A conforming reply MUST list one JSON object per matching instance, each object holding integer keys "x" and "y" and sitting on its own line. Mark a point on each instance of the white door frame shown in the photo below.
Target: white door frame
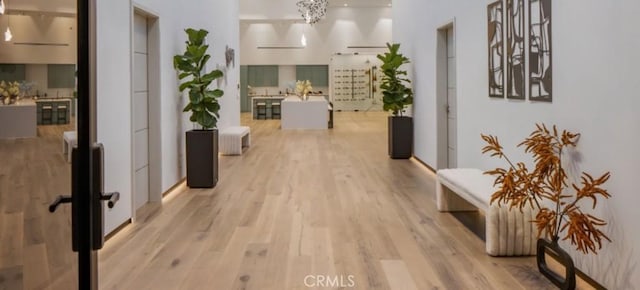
{"x": 441, "y": 93}
{"x": 153, "y": 75}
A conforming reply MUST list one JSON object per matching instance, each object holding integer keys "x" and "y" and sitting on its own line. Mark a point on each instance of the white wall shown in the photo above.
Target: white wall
{"x": 595, "y": 85}
{"x": 59, "y": 6}
{"x": 41, "y": 29}
{"x": 114, "y": 85}
{"x": 286, "y": 76}
{"x": 342, "y": 27}
{"x": 273, "y": 9}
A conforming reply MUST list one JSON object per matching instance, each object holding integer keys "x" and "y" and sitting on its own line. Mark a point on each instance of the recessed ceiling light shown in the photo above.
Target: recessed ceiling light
{"x": 389, "y": 4}
{"x": 345, "y": 4}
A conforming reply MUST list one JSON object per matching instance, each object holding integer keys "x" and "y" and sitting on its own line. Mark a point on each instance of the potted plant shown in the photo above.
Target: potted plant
{"x": 9, "y": 91}
{"x": 396, "y": 97}
{"x": 202, "y": 143}
{"x": 559, "y": 201}
{"x": 303, "y": 88}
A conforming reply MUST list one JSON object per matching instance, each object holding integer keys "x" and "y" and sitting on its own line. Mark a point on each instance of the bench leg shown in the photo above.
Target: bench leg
{"x": 230, "y": 145}
{"x": 69, "y": 151}
{"x": 510, "y": 232}
{"x": 447, "y": 200}
{"x": 246, "y": 140}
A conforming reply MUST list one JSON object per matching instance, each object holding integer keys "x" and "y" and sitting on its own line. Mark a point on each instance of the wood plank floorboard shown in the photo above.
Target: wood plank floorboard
{"x": 295, "y": 206}
{"x": 35, "y": 245}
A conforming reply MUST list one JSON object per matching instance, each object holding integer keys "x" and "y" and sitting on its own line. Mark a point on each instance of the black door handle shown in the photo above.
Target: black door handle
{"x": 111, "y": 198}
{"x": 96, "y": 197}
{"x": 58, "y": 201}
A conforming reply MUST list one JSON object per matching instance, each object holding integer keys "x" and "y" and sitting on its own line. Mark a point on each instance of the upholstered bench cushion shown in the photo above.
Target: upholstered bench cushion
{"x": 470, "y": 184}
{"x": 509, "y": 232}
{"x": 233, "y": 139}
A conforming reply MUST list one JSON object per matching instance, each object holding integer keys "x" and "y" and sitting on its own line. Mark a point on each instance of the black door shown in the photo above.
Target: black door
{"x": 87, "y": 196}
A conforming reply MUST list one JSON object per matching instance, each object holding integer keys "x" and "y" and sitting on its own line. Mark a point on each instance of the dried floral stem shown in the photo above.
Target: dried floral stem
{"x": 518, "y": 186}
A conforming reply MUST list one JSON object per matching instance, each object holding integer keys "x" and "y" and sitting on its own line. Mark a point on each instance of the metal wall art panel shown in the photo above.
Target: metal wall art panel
{"x": 540, "y": 81}
{"x": 515, "y": 49}
{"x": 496, "y": 53}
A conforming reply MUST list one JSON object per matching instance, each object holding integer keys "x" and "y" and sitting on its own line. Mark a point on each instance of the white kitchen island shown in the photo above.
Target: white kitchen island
{"x": 310, "y": 114}
{"x": 18, "y": 120}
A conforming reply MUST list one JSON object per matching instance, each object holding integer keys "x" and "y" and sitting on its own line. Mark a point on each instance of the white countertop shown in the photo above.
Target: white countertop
{"x": 20, "y": 103}
{"x": 275, "y": 97}
{"x": 311, "y": 99}
{"x": 53, "y": 100}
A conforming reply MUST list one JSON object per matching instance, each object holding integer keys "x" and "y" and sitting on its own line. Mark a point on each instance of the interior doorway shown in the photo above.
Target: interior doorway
{"x": 145, "y": 107}
{"x": 446, "y": 89}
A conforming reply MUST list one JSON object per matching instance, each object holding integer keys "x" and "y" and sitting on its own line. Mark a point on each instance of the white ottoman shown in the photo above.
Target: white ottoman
{"x": 231, "y": 140}
{"x": 69, "y": 139}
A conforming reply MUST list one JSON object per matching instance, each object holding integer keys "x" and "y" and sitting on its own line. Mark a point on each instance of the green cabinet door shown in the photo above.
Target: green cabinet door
{"x": 318, "y": 75}
{"x": 263, "y": 75}
{"x": 245, "y": 106}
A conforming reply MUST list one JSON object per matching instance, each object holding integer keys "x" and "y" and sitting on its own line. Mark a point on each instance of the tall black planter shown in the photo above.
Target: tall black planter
{"x": 400, "y": 137}
{"x": 202, "y": 158}
{"x": 569, "y": 280}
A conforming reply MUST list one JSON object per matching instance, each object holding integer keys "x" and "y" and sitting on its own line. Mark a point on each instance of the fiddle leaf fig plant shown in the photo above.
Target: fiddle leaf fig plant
{"x": 396, "y": 95}
{"x": 203, "y": 101}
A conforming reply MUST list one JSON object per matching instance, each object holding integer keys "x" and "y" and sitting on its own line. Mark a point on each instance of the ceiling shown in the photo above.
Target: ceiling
{"x": 59, "y": 6}
{"x": 359, "y": 3}
{"x": 287, "y": 9}
{"x": 69, "y": 6}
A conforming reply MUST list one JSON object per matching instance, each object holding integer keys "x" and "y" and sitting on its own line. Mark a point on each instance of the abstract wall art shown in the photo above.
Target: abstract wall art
{"x": 230, "y": 56}
{"x": 540, "y": 81}
{"x": 496, "y": 50}
{"x": 515, "y": 57}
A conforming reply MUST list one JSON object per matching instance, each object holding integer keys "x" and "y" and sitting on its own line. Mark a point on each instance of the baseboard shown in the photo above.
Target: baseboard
{"x": 424, "y": 164}
{"x": 172, "y": 188}
{"x": 583, "y": 281}
{"x": 117, "y": 230}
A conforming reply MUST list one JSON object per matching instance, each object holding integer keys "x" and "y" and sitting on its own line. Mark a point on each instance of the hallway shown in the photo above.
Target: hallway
{"x": 298, "y": 203}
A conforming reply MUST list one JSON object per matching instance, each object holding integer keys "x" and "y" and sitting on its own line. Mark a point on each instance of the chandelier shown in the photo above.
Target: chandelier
{"x": 312, "y": 10}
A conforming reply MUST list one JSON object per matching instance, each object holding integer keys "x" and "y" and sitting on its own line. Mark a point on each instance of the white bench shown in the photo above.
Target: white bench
{"x": 233, "y": 139}
{"x": 508, "y": 232}
{"x": 69, "y": 139}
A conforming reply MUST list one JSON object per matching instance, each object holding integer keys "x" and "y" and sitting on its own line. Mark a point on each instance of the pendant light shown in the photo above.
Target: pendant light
{"x": 7, "y": 34}
{"x": 303, "y": 39}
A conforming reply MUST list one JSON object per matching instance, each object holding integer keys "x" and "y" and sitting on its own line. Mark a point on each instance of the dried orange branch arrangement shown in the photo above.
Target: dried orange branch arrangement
{"x": 520, "y": 187}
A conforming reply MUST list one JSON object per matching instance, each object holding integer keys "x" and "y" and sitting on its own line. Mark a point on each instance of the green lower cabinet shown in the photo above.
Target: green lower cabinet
{"x": 53, "y": 112}
{"x": 273, "y": 108}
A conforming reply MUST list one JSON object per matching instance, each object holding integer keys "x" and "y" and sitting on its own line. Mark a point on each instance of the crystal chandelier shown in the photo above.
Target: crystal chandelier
{"x": 312, "y": 10}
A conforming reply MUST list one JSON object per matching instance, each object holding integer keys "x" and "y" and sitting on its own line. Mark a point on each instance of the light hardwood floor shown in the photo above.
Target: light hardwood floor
{"x": 297, "y": 203}
{"x": 35, "y": 245}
